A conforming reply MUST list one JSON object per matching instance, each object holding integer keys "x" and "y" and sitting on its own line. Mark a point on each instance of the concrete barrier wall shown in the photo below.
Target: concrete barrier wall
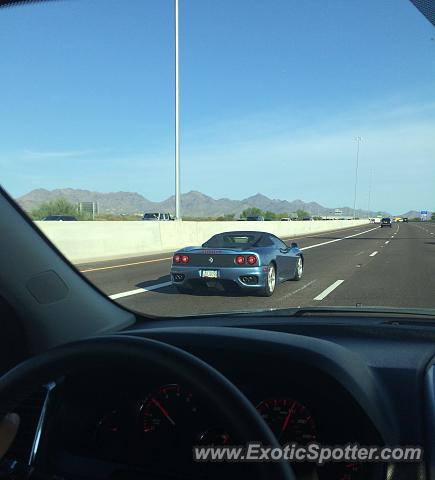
{"x": 92, "y": 241}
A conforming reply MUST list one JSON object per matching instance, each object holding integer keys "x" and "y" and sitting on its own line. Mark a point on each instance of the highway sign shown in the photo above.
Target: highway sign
{"x": 423, "y": 212}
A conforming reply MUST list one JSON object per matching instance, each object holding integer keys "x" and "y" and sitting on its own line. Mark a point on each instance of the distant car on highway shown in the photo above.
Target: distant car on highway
{"x": 60, "y": 218}
{"x": 386, "y": 222}
{"x": 252, "y": 261}
{"x": 308, "y": 219}
{"x": 157, "y": 217}
{"x": 255, "y": 218}
{"x": 286, "y": 219}
{"x": 405, "y": 219}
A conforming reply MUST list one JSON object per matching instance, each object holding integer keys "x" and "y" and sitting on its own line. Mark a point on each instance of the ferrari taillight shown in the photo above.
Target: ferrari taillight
{"x": 185, "y": 258}
{"x": 251, "y": 259}
{"x": 240, "y": 259}
{"x": 177, "y": 258}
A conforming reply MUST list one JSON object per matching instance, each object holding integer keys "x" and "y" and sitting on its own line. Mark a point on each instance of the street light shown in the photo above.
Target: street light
{"x": 177, "y": 121}
{"x": 358, "y": 140}
{"x": 370, "y": 192}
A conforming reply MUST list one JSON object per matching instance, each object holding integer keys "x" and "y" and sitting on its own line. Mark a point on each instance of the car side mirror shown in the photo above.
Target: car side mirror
{"x": 294, "y": 245}
{"x": 284, "y": 250}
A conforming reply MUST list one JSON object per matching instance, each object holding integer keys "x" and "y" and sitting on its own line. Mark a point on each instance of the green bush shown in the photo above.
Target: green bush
{"x": 60, "y": 206}
{"x": 251, "y": 212}
{"x": 302, "y": 214}
{"x": 228, "y": 217}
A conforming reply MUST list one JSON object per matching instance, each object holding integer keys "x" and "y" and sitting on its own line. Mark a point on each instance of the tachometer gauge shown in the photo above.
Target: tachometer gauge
{"x": 289, "y": 420}
{"x": 168, "y": 419}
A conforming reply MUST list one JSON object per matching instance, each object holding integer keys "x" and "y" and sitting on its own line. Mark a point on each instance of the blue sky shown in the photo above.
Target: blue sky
{"x": 272, "y": 95}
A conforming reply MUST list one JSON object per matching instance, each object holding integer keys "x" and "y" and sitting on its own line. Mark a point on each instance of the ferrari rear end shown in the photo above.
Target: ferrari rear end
{"x": 223, "y": 268}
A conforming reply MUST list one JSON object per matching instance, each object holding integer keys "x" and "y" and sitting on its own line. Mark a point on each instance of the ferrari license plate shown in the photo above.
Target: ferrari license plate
{"x": 209, "y": 273}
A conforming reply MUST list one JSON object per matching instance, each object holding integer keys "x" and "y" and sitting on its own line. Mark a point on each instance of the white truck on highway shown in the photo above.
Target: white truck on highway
{"x": 157, "y": 217}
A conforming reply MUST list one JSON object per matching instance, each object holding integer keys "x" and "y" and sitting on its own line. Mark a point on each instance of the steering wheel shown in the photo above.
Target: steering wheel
{"x": 126, "y": 352}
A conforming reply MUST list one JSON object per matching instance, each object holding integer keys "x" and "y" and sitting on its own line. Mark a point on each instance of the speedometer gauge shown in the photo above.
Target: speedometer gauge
{"x": 292, "y": 422}
{"x": 289, "y": 420}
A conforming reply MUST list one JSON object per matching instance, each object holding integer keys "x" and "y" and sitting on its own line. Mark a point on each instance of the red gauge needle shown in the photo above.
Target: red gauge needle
{"x": 163, "y": 410}
{"x": 287, "y": 418}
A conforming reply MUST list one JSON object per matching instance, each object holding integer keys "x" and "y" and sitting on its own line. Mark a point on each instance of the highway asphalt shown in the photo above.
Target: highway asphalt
{"x": 366, "y": 265}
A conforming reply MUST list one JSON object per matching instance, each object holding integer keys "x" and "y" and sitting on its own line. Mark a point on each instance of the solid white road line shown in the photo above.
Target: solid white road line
{"x": 139, "y": 290}
{"x": 327, "y": 291}
{"x": 338, "y": 239}
{"x": 373, "y": 254}
{"x": 162, "y": 285}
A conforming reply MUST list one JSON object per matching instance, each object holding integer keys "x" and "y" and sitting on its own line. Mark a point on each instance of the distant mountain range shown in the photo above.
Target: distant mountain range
{"x": 193, "y": 204}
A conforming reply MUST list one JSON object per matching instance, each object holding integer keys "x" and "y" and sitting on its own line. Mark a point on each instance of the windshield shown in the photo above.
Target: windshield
{"x": 300, "y": 134}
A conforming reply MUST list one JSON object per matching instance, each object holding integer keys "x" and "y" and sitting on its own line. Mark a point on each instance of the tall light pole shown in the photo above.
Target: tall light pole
{"x": 370, "y": 192}
{"x": 177, "y": 121}
{"x": 358, "y": 140}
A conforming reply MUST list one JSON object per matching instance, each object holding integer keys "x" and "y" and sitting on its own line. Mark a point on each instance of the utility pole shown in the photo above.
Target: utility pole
{"x": 177, "y": 121}
{"x": 358, "y": 140}
{"x": 370, "y": 192}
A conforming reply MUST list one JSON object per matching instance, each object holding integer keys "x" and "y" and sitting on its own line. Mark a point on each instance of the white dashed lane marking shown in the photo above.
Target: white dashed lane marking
{"x": 328, "y": 290}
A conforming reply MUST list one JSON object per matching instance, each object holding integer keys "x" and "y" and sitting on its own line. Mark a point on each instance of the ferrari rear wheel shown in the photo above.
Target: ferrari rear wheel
{"x": 299, "y": 269}
{"x": 270, "y": 284}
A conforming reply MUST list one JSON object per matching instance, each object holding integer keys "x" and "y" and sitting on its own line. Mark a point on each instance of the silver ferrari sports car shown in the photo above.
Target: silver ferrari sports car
{"x": 252, "y": 261}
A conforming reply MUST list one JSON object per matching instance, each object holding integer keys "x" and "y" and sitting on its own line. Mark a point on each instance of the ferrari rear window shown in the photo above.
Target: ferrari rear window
{"x": 244, "y": 240}
{"x": 229, "y": 240}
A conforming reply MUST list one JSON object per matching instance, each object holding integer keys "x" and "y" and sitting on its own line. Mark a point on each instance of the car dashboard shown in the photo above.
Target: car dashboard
{"x": 335, "y": 383}
{"x": 115, "y": 426}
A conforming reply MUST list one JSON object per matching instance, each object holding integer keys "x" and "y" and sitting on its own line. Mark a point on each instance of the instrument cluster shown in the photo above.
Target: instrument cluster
{"x": 157, "y": 430}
